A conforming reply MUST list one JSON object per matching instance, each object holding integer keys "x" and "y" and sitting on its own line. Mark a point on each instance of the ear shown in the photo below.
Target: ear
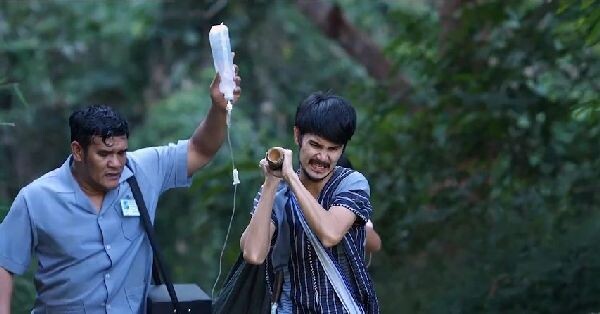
{"x": 77, "y": 151}
{"x": 297, "y": 136}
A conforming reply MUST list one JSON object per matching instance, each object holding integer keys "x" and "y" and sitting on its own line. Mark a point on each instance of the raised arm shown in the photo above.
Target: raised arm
{"x": 6, "y": 284}
{"x": 256, "y": 239}
{"x": 209, "y": 135}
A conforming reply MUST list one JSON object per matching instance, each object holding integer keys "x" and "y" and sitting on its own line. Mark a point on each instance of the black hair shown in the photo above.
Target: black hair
{"x": 328, "y": 116}
{"x": 96, "y": 120}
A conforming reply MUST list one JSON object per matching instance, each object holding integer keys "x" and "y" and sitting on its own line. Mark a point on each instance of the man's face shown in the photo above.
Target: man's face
{"x": 103, "y": 161}
{"x": 318, "y": 156}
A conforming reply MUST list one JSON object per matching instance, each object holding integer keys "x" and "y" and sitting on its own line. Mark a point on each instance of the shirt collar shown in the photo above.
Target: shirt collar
{"x": 126, "y": 174}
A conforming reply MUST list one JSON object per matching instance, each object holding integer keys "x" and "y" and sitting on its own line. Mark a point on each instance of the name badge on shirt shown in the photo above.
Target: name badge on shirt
{"x": 129, "y": 208}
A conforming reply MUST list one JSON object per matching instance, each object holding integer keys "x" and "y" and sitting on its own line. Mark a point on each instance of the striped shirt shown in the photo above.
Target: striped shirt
{"x": 306, "y": 288}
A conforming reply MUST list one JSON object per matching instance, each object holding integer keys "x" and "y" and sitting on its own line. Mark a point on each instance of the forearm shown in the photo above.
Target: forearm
{"x": 328, "y": 225}
{"x": 256, "y": 239}
{"x": 207, "y": 138}
{"x": 5, "y": 291}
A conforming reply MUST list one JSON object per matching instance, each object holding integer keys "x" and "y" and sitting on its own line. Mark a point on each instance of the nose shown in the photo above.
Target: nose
{"x": 114, "y": 161}
{"x": 322, "y": 155}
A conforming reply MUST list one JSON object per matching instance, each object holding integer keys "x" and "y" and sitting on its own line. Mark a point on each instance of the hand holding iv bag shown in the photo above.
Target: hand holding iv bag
{"x": 223, "y": 59}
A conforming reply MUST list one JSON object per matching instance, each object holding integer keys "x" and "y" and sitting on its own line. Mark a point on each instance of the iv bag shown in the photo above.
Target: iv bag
{"x": 222, "y": 58}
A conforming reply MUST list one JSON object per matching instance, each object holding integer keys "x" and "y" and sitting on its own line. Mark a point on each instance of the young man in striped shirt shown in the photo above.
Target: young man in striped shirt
{"x": 333, "y": 204}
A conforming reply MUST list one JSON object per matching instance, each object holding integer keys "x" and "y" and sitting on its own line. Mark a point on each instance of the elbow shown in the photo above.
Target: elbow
{"x": 250, "y": 254}
{"x": 254, "y": 258}
{"x": 330, "y": 241}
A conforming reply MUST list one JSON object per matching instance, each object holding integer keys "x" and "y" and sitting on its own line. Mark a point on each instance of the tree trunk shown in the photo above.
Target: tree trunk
{"x": 332, "y": 22}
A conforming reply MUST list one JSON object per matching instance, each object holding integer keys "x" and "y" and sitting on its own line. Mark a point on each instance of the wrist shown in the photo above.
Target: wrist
{"x": 289, "y": 175}
{"x": 219, "y": 107}
{"x": 271, "y": 183}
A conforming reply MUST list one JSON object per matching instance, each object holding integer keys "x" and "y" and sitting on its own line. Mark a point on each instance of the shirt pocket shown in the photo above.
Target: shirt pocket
{"x": 132, "y": 228}
{"x": 135, "y": 298}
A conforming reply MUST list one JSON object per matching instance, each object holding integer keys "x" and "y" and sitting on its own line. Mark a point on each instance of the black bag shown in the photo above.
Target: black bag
{"x": 167, "y": 298}
{"x": 245, "y": 290}
{"x": 191, "y": 299}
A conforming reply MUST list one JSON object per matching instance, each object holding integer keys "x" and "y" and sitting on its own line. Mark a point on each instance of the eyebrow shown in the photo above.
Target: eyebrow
{"x": 110, "y": 151}
{"x": 313, "y": 142}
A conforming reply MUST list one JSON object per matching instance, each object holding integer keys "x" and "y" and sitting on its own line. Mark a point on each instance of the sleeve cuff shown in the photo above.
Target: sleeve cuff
{"x": 181, "y": 160}
{"x": 12, "y": 267}
{"x": 356, "y": 212}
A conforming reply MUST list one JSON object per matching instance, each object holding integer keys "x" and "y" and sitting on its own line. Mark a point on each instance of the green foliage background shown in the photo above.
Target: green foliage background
{"x": 485, "y": 179}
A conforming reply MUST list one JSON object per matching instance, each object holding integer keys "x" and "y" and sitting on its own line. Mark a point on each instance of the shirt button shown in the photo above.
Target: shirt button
{"x": 100, "y": 218}
{"x": 107, "y": 276}
{"x": 108, "y": 307}
{"x": 108, "y": 247}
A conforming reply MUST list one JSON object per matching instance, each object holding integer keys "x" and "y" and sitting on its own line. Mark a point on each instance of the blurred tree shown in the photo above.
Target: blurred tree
{"x": 494, "y": 192}
{"x": 484, "y": 170}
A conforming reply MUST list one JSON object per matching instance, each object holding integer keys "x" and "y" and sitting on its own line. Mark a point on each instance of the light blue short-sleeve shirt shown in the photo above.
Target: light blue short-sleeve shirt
{"x": 89, "y": 262}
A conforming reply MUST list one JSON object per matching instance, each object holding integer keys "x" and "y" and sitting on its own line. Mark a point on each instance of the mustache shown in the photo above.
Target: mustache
{"x": 319, "y": 163}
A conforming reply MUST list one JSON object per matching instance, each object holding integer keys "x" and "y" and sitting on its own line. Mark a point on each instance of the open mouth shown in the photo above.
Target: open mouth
{"x": 319, "y": 166}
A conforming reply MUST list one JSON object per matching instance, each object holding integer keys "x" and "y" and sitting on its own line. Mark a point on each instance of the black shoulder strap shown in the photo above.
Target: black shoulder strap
{"x": 158, "y": 257}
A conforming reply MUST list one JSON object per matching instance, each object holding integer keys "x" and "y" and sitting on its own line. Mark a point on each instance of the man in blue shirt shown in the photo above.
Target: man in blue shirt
{"x": 80, "y": 219}
{"x": 322, "y": 200}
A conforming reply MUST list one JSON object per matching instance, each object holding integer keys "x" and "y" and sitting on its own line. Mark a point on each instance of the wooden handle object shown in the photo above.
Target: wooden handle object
{"x": 275, "y": 158}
